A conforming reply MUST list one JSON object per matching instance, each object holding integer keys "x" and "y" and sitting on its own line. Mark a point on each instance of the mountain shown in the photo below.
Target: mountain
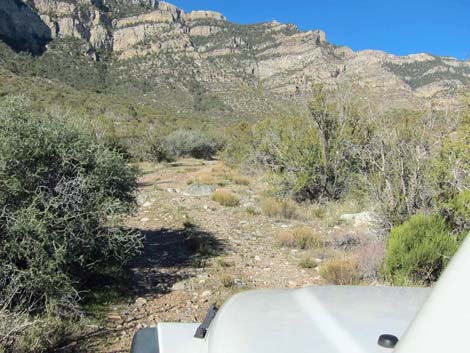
{"x": 201, "y": 63}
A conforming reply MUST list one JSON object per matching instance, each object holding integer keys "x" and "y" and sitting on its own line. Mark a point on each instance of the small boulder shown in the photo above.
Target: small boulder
{"x": 362, "y": 218}
{"x": 206, "y": 294}
{"x": 199, "y": 190}
{"x": 114, "y": 317}
{"x": 178, "y": 286}
{"x": 141, "y": 301}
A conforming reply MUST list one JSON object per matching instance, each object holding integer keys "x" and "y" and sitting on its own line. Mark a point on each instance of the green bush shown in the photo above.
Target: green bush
{"x": 419, "y": 249}
{"x": 240, "y": 149}
{"x": 457, "y": 212}
{"x": 61, "y": 197}
{"x": 187, "y": 143}
{"x": 310, "y": 157}
{"x": 158, "y": 152}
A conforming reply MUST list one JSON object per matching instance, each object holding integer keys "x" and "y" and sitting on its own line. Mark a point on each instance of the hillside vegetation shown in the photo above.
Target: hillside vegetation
{"x": 153, "y": 161}
{"x": 412, "y": 168}
{"x": 67, "y": 183}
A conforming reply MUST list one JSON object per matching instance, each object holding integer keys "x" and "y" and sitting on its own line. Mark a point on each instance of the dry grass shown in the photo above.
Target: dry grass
{"x": 228, "y": 281}
{"x": 238, "y": 179}
{"x": 225, "y": 198}
{"x": 307, "y": 262}
{"x": 300, "y": 237}
{"x": 209, "y": 179}
{"x": 221, "y": 171}
{"x": 251, "y": 211}
{"x": 341, "y": 271}
{"x": 224, "y": 263}
{"x": 147, "y": 167}
{"x": 329, "y": 212}
{"x": 221, "y": 175}
{"x": 275, "y": 208}
{"x": 371, "y": 257}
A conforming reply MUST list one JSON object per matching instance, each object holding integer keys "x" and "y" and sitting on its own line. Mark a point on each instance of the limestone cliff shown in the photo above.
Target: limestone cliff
{"x": 202, "y": 53}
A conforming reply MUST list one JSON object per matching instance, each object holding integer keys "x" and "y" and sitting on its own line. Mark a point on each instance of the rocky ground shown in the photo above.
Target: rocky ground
{"x": 198, "y": 252}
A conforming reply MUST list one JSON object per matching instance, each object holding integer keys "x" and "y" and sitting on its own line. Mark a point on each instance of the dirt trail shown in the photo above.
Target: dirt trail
{"x": 198, "y": 252}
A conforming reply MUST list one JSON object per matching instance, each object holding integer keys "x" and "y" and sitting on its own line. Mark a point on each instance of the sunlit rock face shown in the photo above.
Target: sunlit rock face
{"x": 156, "y": 42}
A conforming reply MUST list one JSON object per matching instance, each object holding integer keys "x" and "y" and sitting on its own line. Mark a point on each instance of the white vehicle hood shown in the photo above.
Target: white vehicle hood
{"x": 312, "y": 319}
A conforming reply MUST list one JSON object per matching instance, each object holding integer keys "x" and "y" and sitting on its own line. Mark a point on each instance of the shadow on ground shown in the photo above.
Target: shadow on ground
{"x": 170, "y": 256}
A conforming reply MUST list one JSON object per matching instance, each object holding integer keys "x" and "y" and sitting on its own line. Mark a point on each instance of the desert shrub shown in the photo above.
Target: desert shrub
{"x": 341, "y": 132}
{"x": 307, "y": 262}
{"x": 187, "y": 143}
{"x": 225, "y": 198}
{"x": 240, "y": 148}
{"x": 20, "y": 332}
{"x": 300, "y": 237}
{"x": 279, "y": 208}
{"x": 451, "y": 170}
{"x": 341, "y": 271}
{"x": 158, "y": 151}
{"x": 457, "y": 212}
{"x": 313, "y": 157}
{"x": 251, "y": 211}
{"x": 228, "y": 281}
{"x": 61, "y": 194}
{"x": 419, "y": 249}
{"x": 399, "y": 156}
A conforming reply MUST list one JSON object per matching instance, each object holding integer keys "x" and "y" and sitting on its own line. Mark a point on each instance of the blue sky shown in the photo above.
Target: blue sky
{"x": 396, "y": 26}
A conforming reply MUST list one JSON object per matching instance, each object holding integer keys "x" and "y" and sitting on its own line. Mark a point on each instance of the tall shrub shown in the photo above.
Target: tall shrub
{"x": 61, "y": 198}
{"x": 419, "y": 249}
{"x": 187, "y": 143}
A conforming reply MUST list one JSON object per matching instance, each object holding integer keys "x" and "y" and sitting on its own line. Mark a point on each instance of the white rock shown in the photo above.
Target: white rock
{"x": 178, "y": 286}
{"x": 206, "y": 294}
{"x": 141, "y": 301}
{"x": 358, "y": 218}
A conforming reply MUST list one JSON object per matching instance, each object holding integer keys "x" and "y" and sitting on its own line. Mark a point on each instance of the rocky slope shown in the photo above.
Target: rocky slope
{"x": 220, "y": 66}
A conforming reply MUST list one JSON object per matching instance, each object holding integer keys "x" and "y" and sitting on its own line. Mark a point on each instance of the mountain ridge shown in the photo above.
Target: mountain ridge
{"x": 153, "y": 46}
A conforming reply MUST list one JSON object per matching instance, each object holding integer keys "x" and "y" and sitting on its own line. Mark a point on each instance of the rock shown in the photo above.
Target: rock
{"x": 178, "y": 286}
{"x": 362, "y": 218}
{"x": 147, "y": 204}
{"x": 292, "y": 284}
{"x": 114, "y": 317}
{"x": 144, "y": 220}
{"x": 141, "y": 301}
{"x": 206, "y": 294}
{"x": 199, "y": 190}
{"x": 203, "y": 15}
{"x": 239, "y": 283}
{"x": 286, "y": 59}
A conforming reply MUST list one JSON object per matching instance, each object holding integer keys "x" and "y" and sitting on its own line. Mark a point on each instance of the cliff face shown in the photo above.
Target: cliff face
{"x": 22, "y": 28}
{"x": 202, "y": 53}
